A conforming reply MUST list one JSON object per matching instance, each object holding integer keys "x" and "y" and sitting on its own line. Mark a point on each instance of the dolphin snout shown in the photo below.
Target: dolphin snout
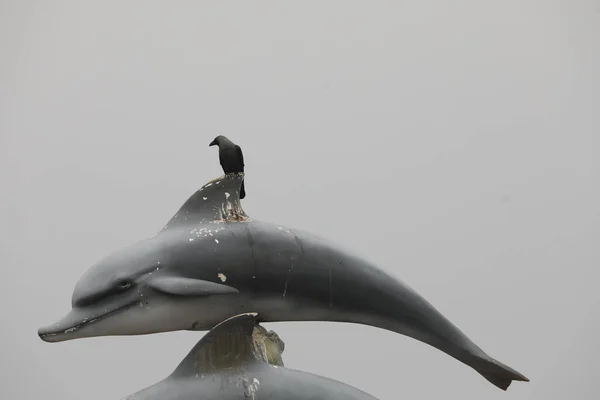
{"x": 48, "y": 333}
{"x": 61, "y": 330}
{"x": 54, "y": 333}
{"x": 82, "y": 322}
{"x": 66, "y": 328}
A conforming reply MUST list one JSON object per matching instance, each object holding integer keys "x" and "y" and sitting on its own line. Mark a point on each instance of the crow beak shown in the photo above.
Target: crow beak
{"x": 214, "y": 142}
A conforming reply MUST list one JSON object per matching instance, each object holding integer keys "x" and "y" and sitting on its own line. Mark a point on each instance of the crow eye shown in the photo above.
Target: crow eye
{"x": 123, "y": 285}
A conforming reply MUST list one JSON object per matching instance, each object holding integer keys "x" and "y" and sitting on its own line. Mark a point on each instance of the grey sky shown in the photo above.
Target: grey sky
{"x": 453, "y": 143}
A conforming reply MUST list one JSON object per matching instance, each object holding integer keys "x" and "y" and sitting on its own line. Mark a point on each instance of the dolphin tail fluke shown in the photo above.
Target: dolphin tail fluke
{"x": 497, "y": 373}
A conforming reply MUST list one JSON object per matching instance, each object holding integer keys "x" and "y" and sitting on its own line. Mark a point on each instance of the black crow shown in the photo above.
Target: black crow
{"x": 230, "y": 157}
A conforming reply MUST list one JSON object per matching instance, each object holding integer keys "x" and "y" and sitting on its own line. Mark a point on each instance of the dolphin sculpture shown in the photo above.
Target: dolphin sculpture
{"x": 212, "y": 261}
{"x": 239, "y": 359}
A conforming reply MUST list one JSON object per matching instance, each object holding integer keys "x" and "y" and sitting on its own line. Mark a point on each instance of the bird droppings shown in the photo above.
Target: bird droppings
{"x": 281, "y": 228}
{"x": 204, "y": 232}
{"x": 222, "y": 277}
{"x": 217, "y": 241}
{"x": 191, "y": 239}
{"x": 287, "y": 280}
{"x": 251, "y": 388}
{"x": 205, "y": 198}
{"x": 227, "y": 195}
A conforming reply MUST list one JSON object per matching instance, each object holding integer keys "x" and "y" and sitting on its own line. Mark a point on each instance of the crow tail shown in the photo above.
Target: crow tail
{"x": 242, "y": 191}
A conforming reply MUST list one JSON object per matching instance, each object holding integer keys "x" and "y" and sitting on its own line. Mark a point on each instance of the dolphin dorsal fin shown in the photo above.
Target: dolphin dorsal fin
{"x": 217, "y": 200}
{"x": 230, "y": 345}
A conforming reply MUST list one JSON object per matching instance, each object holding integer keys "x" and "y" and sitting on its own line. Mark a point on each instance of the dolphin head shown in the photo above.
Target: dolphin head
{"x": 133, "y": 291}
{"x": 110, "y": 287}
{"x": 144, "y": 289}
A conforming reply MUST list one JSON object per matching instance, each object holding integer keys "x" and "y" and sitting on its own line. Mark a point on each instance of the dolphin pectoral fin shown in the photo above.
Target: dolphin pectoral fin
{"x": 180, "y": 286}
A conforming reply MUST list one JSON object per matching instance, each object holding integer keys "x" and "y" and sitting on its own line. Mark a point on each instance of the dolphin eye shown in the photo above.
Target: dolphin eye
{"x": 123, "y": 284}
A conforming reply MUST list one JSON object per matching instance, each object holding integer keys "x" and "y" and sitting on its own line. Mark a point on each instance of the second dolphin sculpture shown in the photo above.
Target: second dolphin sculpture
{"x": 239, "y": 359}
{"x": 212, "y": 261}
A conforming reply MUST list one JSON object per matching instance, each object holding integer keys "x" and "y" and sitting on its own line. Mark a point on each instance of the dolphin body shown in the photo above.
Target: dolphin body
{"x": 238, "y": 360}
{"x": 211, "y": 261}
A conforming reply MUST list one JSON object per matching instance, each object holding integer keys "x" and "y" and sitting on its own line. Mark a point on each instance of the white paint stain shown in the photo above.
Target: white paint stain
{"x": 222, "y": 277}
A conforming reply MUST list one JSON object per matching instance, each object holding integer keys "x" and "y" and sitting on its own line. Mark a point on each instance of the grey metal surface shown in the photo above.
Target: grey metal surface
{"x": 212, "y": 261}
{"x": 230, "y": 363}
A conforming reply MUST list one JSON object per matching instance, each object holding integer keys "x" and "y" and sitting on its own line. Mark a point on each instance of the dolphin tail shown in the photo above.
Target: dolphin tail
{"x": 497, "y": 373}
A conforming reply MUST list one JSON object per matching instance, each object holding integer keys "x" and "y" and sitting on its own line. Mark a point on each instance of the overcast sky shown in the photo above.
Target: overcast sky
{"x": 453, "y": 143}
